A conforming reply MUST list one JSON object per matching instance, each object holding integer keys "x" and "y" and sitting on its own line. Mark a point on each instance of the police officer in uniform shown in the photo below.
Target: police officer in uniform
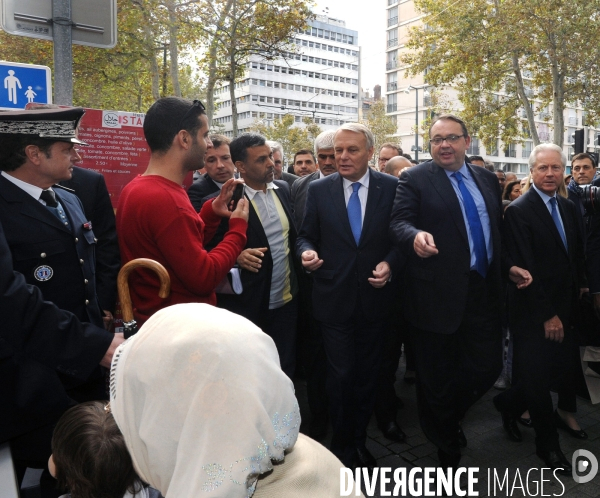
{"x": 51, "y": 240}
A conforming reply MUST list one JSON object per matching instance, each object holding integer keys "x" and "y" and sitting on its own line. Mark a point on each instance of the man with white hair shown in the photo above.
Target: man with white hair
{"x": 325, "y": 167}
{"x": 344, "y": 243}
{"x": 279, "y": 174}
{"x": 543, "y": 236}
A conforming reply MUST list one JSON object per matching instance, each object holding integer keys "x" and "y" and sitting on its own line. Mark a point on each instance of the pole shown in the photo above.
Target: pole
{"x": 360, "y": 109}
{"x": 63, "y": 55}
{"x": 416, "y": 124}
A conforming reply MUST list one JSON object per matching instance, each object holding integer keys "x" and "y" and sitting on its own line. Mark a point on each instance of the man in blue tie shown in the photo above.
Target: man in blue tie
{"x": 344, "y": 243}
{"x": 447, "y": 219}
{"x": 543, "y": 235}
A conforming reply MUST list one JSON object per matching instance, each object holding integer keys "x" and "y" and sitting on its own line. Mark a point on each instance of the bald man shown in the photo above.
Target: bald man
{"x": 396, "y": 164}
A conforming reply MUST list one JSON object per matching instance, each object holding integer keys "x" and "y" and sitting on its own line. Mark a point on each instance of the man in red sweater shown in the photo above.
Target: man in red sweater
{"x": 156, "y": 220}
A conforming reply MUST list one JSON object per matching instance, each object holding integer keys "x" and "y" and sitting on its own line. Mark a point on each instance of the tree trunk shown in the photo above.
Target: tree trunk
{"x": 212, "y": 73}
{"x": 558, "y": 105}
{"x": 174, "y": 50}
{"x": 234, "y": 114}
{"x": 526, "y": 102}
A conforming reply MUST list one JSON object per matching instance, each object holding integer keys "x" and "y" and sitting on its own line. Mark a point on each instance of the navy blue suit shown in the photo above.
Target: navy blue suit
{"x": 353, "y": 315}
{"x": 36, "y": 237}
{"x": 454, "y": 313}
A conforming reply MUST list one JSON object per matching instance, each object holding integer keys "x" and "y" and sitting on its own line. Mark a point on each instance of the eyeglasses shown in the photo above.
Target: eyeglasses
{"x": 196, "y": 103}
{"x": 451, "y": 139}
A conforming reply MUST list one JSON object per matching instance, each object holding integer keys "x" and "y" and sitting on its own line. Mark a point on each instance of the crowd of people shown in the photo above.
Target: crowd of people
{"x": 330, "y": 269}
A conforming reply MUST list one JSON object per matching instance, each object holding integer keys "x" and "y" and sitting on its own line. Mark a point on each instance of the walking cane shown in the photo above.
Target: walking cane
{"x": 129, "y": 324}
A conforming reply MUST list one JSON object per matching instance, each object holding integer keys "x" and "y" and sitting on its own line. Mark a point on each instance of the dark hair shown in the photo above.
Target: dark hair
{"x": 500, "y": 171}
{"x": 239, "y": 145}
{"x": 390, "y": 145}
{"x": 166, "y": 118}
{"x": 508, "y": 189}
{"x": 584, "y": 155}
{"x": 90, "y": 455}
{"x": 408, "y": 156}
{"x": 450, "y": 117}
{"x": 475, "y": 158}
{"x": 12, "y": 149}
{"x": 304, "y": 151}
{"x": 218, "y": 140}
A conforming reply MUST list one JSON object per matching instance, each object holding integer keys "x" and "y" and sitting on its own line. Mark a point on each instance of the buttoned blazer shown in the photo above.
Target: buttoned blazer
{"x": 434, "y": 289}
{"x": 37, "y": 238}
{"x": 200, "y": 189}
{"x": 91, "y": 189}
{"x": 37, "y": 341}
{"x": 533, "y": 242}
{"x": 341, "y": 283}
{"x": 298, "y": 194}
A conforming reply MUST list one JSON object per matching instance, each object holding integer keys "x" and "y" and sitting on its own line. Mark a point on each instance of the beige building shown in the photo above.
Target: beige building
{"x": 408, "y": 102}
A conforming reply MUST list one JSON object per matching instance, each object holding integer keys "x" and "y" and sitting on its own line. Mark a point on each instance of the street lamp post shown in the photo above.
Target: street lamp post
{"x": 425, "y": 92}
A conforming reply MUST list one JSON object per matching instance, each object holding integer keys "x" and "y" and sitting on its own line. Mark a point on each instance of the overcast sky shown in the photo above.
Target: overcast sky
{"x": 369, "y": 19}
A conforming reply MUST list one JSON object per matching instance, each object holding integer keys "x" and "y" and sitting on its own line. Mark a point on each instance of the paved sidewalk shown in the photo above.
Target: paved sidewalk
{"x": 487, "y": 448}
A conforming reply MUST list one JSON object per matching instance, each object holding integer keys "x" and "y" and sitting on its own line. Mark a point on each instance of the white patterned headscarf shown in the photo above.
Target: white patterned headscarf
{"x": 202, "y": 402}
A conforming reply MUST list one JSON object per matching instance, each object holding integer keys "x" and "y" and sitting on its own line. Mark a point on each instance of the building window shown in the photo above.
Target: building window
{"x": 526, "y": 151}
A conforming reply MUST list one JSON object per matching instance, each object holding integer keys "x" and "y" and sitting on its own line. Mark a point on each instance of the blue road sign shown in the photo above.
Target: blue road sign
{"x": 21, "y": 84}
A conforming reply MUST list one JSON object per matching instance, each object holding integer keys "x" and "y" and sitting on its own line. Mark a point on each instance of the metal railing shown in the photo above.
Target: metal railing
{"x": 392, "y": 107}
{"x": 392, "y": 21}
{"x": 391, "y": 65}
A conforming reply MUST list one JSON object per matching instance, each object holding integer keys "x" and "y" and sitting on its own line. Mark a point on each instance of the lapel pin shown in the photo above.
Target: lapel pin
{"x": 87, "y": 225}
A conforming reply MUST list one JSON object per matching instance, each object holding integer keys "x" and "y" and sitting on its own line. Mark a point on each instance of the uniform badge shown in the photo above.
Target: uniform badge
{"x": 43, "y": 273}
{"x": 87, "y": 225}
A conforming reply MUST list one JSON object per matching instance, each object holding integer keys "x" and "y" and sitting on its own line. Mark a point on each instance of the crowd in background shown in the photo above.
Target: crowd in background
{"x": 328, "y": 271}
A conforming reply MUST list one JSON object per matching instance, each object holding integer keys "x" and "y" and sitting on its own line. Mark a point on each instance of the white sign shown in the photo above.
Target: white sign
{"x": 94, "y": 21}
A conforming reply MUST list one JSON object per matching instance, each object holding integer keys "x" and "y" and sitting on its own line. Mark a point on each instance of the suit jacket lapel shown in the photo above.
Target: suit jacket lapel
{"x": 442, "y": 185}
{"x": 255, "y": 224}
{"x": 540, "y": 208}
{"x": 373, "y": 198}
{"x": 28, "y": 206}
{"x": 336, "y": 189}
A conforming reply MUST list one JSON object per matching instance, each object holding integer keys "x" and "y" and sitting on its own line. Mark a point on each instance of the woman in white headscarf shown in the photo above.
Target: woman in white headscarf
{"x": 206, "y": 410}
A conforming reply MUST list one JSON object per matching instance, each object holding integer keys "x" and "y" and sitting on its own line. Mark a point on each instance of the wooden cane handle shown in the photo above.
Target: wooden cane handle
{"x": 123, "y": 283}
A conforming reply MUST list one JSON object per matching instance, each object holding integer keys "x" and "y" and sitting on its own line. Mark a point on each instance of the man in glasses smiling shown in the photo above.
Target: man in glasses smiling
{"x": 156, "y": 219}
{"x": 446, "y": 219}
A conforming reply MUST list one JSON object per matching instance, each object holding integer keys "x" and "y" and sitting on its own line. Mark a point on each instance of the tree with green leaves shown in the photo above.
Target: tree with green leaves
{"x": 510, "y": 60}
{"x": 239, "y": 29}
{"x": 128, "y": 76}
{"x": 380, "y": 125}
{"x": 292, "y": 138}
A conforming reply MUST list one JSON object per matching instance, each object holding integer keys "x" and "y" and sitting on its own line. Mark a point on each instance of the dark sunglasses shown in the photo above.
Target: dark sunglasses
{"x": 195, "y": 104}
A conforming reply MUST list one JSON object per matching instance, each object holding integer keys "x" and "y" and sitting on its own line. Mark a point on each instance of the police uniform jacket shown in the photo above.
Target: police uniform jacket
{"x": 57, "y": 258}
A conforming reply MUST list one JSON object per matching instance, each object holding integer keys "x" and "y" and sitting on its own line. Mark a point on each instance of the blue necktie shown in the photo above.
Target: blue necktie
{"x": 556, "y": 219}
{"x": 477, "y": 236}
{"x": 355, "y": 212}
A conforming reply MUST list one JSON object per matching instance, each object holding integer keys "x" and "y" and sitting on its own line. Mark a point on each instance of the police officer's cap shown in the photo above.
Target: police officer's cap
{"x": 58, "y": 125}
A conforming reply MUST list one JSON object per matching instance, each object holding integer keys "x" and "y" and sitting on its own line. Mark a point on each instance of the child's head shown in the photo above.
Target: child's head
{"x": 89, "y": 454}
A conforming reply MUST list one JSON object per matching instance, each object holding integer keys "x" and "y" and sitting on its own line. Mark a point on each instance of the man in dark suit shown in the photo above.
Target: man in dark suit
{"x": 219, "y": 168}
{"x": 48, "y": 240}
{"x": 90, "y": 187}
{"x": 542, "y": 235}
{"x": 277, "y": 149}
{"x": 325, "y": 167}
{"x": 344, "y": 243}
{"x": 268, "y": 275}
{"x": 446, "y": 220}
{"x": 310, "y": 339}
